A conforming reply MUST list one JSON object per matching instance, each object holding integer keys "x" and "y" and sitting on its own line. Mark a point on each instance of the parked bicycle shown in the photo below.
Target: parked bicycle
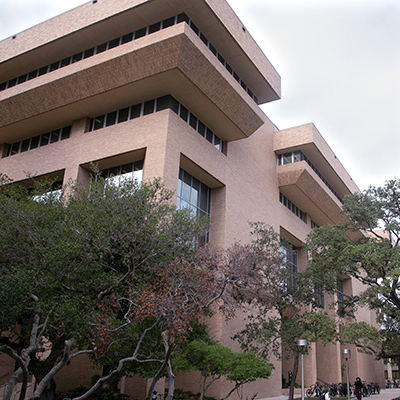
{"x": 375, "y": 388}
{"x": 314, "y": 390}
{"x": 342, "y": 389}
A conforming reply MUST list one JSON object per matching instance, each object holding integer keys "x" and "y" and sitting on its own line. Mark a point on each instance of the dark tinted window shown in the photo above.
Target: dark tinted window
{"x": 140, "y": 33}
{"x": 113, "y": 43}
{"x": 168, "y": 22}
{"x": 148, "y": 107}
{"x": 127, "y": 38}
{"x": 123, "y": 114}
{"x": 135, "y": 111}
{"x": 155, "y": 27}
{"x": 111, "y": 118}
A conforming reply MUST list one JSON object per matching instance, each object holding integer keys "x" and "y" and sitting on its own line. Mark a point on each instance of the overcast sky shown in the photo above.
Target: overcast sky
{"x": 339, "y": 61}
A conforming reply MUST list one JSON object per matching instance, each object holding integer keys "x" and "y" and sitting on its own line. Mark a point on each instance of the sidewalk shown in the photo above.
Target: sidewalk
{"x": 385, "y": 394}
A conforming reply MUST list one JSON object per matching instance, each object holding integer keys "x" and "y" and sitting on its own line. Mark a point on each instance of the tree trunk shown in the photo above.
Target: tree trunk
{"x": 168, "y": 350}
{"x": 202, "y": 386}
{"x": 46, "y": 386}
{"x": 12, "y": 383}
{"x": 24, "y": 386}
{"x": 230, "y": 392}
{"x": 171, "y": 380}
{"x": 49, "y": 393}
{"x": 40, "y": 370}
{"x": 294, "y": 376}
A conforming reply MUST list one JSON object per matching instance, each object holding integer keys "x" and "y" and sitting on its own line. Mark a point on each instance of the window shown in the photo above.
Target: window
{"x": 111, "y": 118}
{"x": 39, "y": 141}
{"x": 22, "y": 79}
{"x": 125, "y": 39}
{"x": 319, "y": 294}
{"x": 155, "y": 27}
{"x": 101, "y": 47}
{"x": 340, "y": 299}
{"x": 152, "y": 106}
{"x": 314, "y": 225}
{"x": 77, "y": 57}
{"x": 148, "y": 107}
{"x": 114, "y": 43}
{"x": 123, "y": 115}
{"x": 195, "y": 196}
{"x": 116, "y": 175}
{"x": 294, "y": 209}
{"x": 32, "y": 74}
{"x": 289, "y": 266}
{"x": 53, "y": 193}
{"x": 44, "y": 139}
{"x": 168, "y": 22}
{"x": 296, "y": 156}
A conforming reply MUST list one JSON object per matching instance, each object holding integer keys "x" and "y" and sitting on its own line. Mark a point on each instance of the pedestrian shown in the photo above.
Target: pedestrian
{"x": 358, "y": 388}
{"x": 154, "y": 397}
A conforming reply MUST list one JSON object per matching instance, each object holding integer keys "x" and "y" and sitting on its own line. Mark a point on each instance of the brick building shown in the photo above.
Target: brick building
{"x": 172, "y": 89}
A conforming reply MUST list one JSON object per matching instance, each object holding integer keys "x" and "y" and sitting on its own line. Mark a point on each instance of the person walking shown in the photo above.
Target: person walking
{"x": 358, "y": 388}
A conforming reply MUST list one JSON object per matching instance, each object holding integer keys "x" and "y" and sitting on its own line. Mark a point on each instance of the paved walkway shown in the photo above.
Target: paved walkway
{"x": 385, "y": 394}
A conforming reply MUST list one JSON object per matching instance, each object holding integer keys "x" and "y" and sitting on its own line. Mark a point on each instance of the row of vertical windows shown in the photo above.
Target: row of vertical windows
{"x": 296, "y": 156}
{"x": 294, "y": 209}
{"x": 221, "y": 60}
{"x": 38, "y": 141}
{"x": 133, "y": 170}
{"x": 313, "y": 225}
{"x": 195, "y": 196}
{"x": 94, "y": 50}
{"x": 340, "y": 299}
{"x": 120, "y": 41}
{"x": 152, "y": 106}
{"x": 289, "y": 262}
{"x": 319, "y": 294}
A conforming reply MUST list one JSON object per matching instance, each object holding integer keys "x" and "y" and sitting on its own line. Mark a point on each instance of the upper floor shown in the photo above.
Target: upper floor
{"x": 104, "y": 55}
{"x": 310, "y": 176}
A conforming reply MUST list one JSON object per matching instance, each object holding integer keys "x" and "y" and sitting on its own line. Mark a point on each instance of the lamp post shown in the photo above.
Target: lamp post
{"x": 302, "y": 346}
{"x": 347, "y": 355}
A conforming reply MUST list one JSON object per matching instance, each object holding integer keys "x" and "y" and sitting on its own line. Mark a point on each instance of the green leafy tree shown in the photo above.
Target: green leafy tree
{"x": 296, "y": 310}
{"x": 367, "y": 249}
{"x": 246, "y": 368}
{"x": 215, "y": 281}
{"x": 215, "y": 361}
{"x": 67, "y": 266}
{"x": 111, "y": 271}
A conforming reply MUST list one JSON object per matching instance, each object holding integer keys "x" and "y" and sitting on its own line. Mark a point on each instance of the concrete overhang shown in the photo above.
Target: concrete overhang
{"x": 92, "y": 23}
{"x": 172, "y": 61}
{"x": 309, "y": 140}
{"x": 299, "y": 183}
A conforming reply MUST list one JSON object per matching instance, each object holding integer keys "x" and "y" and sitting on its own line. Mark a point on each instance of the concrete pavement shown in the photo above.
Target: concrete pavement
{"x": 385, "y": 394}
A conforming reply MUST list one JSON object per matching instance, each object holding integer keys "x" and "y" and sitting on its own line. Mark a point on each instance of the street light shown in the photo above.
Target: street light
{"x": 302, "y": 346}
{"x": 347, "y": 355}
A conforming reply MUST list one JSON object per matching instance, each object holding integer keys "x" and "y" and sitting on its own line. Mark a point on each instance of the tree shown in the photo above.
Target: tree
{"x": 114, "y": 272}
{"x": 215, "y": 361}
{"x": 216, "y": 280}
{"x": 246, "y": 368}
{"x": 65, "y": 262}
{"x": 296, "y": 312}
{"x": 367, "y": 249}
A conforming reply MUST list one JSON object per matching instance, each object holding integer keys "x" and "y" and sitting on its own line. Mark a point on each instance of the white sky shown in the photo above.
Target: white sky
{"x": 340, "y": 66}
